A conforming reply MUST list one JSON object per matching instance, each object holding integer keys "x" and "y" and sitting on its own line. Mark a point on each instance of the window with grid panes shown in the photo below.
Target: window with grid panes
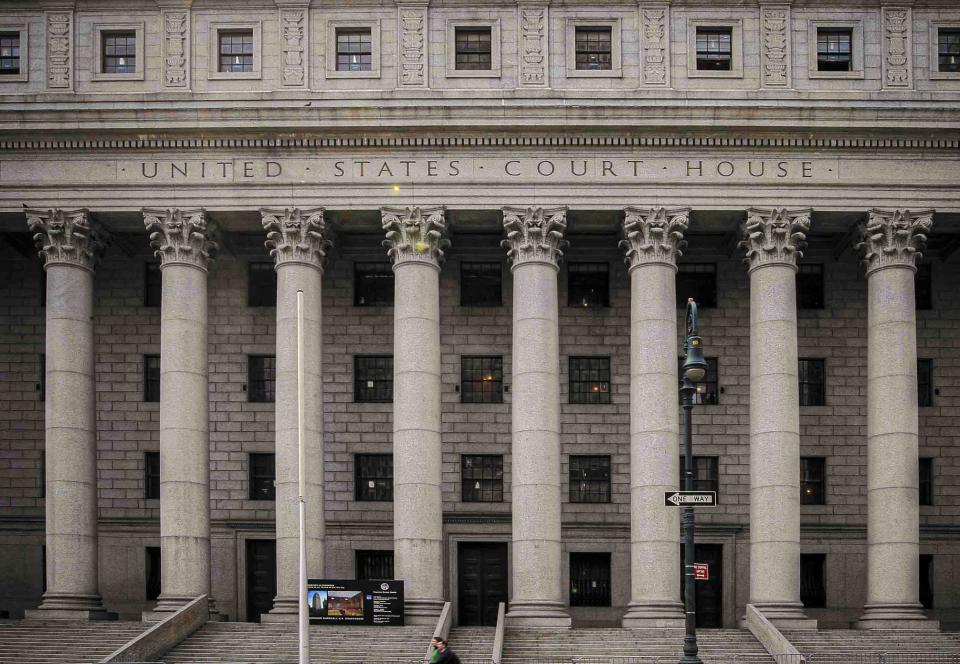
{"x": 473, "y": 49}
{"x": 813, "y": 590}
{"x": 589, "y": 479}
{"x": 588, "y": 284}
{"x": 590, "y": 380}
{"x": 813, "y": 480}
{"x": 119, "y": 52}
{"x": 354, "y": 49}
{"x": 373, "y": 477}
{"x": 236, "y": 50}
{"x": 926, "y": 480}
{"x": 373, "y": 378}
{"x": 699, "y": 281}
{"x": 374, "y": 565}
{"x": 589, "y": 579}
{"x": 714, "y": 49}
{"x": 706, "y": 474}
{"x": 481, "y": 478}
{"x": 152, "y": 572}
{"x": 594, "y": 47}
{"x": 948, "y": 49}
{"x": 926, "y": 580}
{"x": 262, "y": 477}
{"x": 152, "y": 285}
{"x": 151, "y": 378}
{"x": 372, "y": 284}
{"x": 261, "y": 378}
{"x": 261, "y": 285}
{"x": 812, "y": 374}
{"x": 923, "y": 286}
{"x": 924, "y": 382}
{"x": 834, "y": 52}
{"x": 481, "y": 379}
{"x": 151, "y": 475}
{"x": 708, "y": 390}
{"x": 810, "y": 287}
{"x": 9, "y": 52}
{"x": 481, "y": 284}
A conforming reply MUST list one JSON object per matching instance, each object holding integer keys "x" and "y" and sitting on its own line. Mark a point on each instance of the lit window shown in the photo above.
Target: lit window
{"x": 473, "y": 50}
{"x": 354, "y": 49}
{"x": 481, "y": 478}
{"x": 834, "y": 51}
{"x": 590, "y": 380}
{"x": 594, "y": 48}
{"x": 236, "y": 50}
{"x": 9, "y": 53}
{"x": 373, "y": 477}
{"x": 812, "y": 481}
{"x": 589, "y": 479}
{"x": 119, "y": 52}
{"x": 714, "y": 49}
{"x": 708, "y": 390}
{"x": 481, "y": 379}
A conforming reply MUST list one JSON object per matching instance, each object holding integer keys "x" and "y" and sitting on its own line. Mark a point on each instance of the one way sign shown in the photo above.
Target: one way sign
{"x": 690, "y": 498}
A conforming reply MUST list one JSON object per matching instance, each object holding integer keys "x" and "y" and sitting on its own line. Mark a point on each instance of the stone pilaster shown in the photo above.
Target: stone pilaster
{"x": 415, "y": 241}
{"x": 897, "y": 47}
{"x": 773, "y": 240}
{"x": 655, "y": 43}
{"x": 891, "y": 243}
{"x": 775, "y": 45}
{"x": 298, "y": 242}
{"x": 533, "y": 27}
{"x": 60, "y": 47}
{"x": 176, "y": 39}
{"x": 534, "y": 246}
{"x": 294, "y": 22}
{"x": 180, "y": 240}
{"x": 653, "y": 240}
{"x": 71, "y": 246}
{"x": 413, "y": 66}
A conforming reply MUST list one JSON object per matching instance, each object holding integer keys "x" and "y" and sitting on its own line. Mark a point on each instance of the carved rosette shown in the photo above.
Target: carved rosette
{"x": 775, "y": 237}
{"x": 534, "y": 234}
{"x": 296, "y": 236}
{"x": 176, "y": 25}
{"x": 654, "y": 31}
{"x": 654, "y": 235}
{"x": 896, "y": 47}
{"x": 67, "y": 237}
{"x": 59, "y": 47}
{"x": 292, "y": 29}
{"x": 533, "y": 45}
{"x": 415, "y": 234}
{"x": 774, "y": 23}
{"x": 180, "y": 237}
{"x": 413, "y": 45}
{"x": 894, "y": 238}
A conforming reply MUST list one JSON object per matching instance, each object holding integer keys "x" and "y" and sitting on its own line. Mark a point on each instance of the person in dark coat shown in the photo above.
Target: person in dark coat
{"x": 442, "y": 654}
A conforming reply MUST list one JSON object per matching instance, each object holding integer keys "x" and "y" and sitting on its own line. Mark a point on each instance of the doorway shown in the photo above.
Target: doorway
{"x": 261, "y": 577}
{"x": 481, "y": 581}
{"x": 709, "y": 595}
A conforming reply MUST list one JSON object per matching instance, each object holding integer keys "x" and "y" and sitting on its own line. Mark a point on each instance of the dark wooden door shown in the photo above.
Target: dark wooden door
{"x": 709, "y": 593}
{"x": 261, "y": 577}
{"x": 481, "y": 581}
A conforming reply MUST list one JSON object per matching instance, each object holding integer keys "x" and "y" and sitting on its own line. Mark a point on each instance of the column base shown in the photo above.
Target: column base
{"x": 62, "y": 606}
{"x": 285, "y": 610}
{"x": 538, "y": 614}
{"x": 167, "y": 605}
{"x": 785, "y": 615}
{"x": 896, "y": 616}
{"x": 422, "y": 611}
{"x": 653, "y": 615}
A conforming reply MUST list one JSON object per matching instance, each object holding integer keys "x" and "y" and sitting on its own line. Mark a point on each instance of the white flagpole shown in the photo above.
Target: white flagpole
{"x": 301, "y": 482}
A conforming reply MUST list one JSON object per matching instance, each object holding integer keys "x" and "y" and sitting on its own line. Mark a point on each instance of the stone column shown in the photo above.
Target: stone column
{"x": 891, "y": 243}
{"x": 71, "y": 246}
{"x": 297, "y": 240}
{"x": 535, "y": 246}
{"x": 653, "y": 241}
{"x": 773, "y": 241}
{"x": 416, "y": 243}
{"x": 180, "y": 240}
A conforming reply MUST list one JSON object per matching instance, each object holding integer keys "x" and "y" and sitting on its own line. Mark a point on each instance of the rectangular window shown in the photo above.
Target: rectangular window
{"x": 834, "y": 50}
{"x": 152, "y": 285}
{"x": 119, "y": 52}
{"x": 373, "y": 477}
{"x": 9, "y": 53}
{"x": 923, "y": 286}
{"x": 590, "y": 380}
{"x": 261, "y": 378}
{"x": 589, "y": 479}
{"x": 263, "y": 475}
{"x": 481, "y": 379}
{"x": 354, "y": 49}
{"x": 926, "y": 580}
{"x": 151, "y": 378}
{"x": 588, "y": 284}
{"x": 481, "y": 478}
{"x": 589, "y": 579}
{"x": 152, "y": 573}
{"x": 473, "y": 49}
{"x": 714, "y": 49}
{"x": 813, "y": 389}
{"x": 236, "y": 50}
{"x": 813, "y": 480}
{"x": 699, "y": 281}
{"x": 481, "y": 284}
{"x": 373, "y": 378}
{"x": 594, "y": 48}
{"x": 151, "y": 475}
{"x": 926, "y": 481}
{"x": 924, "y": 383}
{"x": 261, "y": 285}
{"x": 374, "y": 565}
{"x": 810, "y": 287}
{"x": 708, "y": 390}
{"x": 948, "y": 49}
{"x": 372, "y": 285}
{"x": 813, "y": 589}
{"x": 706, "y": 474}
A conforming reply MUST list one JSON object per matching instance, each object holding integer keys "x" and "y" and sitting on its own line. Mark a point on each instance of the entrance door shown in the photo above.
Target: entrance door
{"x": 261, "y": 577}
{"x": 709, "y": 593}
{"x": 481, "y": 581}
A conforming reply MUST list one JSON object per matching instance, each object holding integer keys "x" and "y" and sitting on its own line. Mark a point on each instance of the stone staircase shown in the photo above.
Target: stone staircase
{"x": 473, "y": 645}
{"x": 845, "y": 646}
{"x": 36, "y": 642}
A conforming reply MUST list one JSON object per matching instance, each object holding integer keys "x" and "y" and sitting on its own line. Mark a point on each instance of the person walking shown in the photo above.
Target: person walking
{"x": 442, "y": 654}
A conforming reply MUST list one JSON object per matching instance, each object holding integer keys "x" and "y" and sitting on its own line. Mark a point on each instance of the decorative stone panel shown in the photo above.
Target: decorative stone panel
{"x": 67, "y": 237}
{"x": 296, "y": 236}
{"x": 655, "y": 44}
{"x": 415, "y": 234}
{"x": 535, "y": 234}
{"x": 293, "y": 46}
{"x": 775, "y": 236}
{"x": 654, "y": 235}
{"x": 412, "y": 44}
{"x": 775, "y": 45}
{"x": 894, "y": 238}
{"x": 532, "y": 44}
{"x": 176, "y": 48}
{"x": 180, "y": 236}
{"x": 897, "y": 47}
{"x": 59, "y": 28}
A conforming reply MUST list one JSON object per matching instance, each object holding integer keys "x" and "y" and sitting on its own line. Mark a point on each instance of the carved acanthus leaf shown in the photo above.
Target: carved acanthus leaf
{"x": 415, "y": 234}
{"x": 535, "y": 234}
{"x": 894, "y": 237}
{"x": 654, "y": 235}
{"x": 775, "y": 236}
{"x": 67, "y": 237}
{"x": 296, "y": 236}
{"x": 180, "y": 236}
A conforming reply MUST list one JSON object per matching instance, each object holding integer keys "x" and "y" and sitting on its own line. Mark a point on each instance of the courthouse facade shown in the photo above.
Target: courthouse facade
{"x": 495, "y": 212}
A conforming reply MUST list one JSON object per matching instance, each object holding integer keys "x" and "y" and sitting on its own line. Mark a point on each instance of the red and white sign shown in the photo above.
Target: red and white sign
{"x": 701, "y": 571}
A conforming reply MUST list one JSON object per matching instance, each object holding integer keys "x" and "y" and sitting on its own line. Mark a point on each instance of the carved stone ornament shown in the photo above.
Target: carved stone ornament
{"x": 535, "y": 234}
{"x": 176, "y": 25}
{"x": 413, "y": 46}
{"x": 654, "y": 235}
{"x": 774, "y": 23}
{"x": 292, "y": 27}
{"x": 67, "y": 237}
{"x": 59, "y": 49}
{"x": 180, "y": 236}
{"x": 415, "y": 234}
{"x": 894, "y": 238}
{"x": 775, "y": 237}
{"x": 296, "y": 236}
{"x": 896, "y": 47}
{"x": 533, "y": 46}
{"x": 654, "y": 26}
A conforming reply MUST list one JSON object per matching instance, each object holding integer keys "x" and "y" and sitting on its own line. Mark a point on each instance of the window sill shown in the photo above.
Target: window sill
{"x": 474, "y": 73}
{"x": 331, "y": 73}
{"x": 595, "y": 73}
{"x": 837, "y": 75}
{"x": 101, "y": 77}
{"x": 233, "y": 75}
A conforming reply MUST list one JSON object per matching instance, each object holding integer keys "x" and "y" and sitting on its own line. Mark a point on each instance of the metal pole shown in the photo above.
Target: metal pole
{"x": 302, "y": 506}
{"x": 687, "y": 390}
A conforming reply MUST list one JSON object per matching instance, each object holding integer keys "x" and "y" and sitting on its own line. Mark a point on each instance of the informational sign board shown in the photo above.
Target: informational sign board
{"x": 701, "y": 572}
{"x": 690, "y": 498}
{"x": 355, "y": 602}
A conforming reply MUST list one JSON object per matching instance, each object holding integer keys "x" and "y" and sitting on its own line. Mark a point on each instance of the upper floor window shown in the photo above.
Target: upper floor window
{"x": 9, "y": 53}
{"x": 706, "y": 474}
{"x": 590, "y": 380}
{"x": 261, "y": 284}
{"x": 589, "y": 479}
{"x": 588, "y": 285}
{"x": 926, "y": 480}
{"x": 261, "y": 378}
{"x": 812, "y": 382}
{"x": 152, "y": 285}
{"x": 481, "y": 477}
{"x": 481, "y": 284}
{"x": 354, "y": 49}
{"x": 151, "y": 378}
{"x": 810, "y": 287}
{"x": 708, "y": 390}
{"x": 473, "y": 48}
{"x": 948, "y": 50}
{"x": 263, "y": 475}
{"x": 481, "y": 379}
{"x": 119, "y": 52}
{"x": 699, "y": 281}
{"x": 594, "y": 48}
{"x": 834, "y": 49}
{"x": 373, "y": 378}
{"x": 372, "y": 284}
{"x": 236, "y": 50}
{"x": 714, "y": 48}
{"x": 373, "y": 477}
{"x": 924, "y": 382}
{"x": 923, "y": 286}
{"x": 151, "y": 475}
{"x": 813, "y": 481}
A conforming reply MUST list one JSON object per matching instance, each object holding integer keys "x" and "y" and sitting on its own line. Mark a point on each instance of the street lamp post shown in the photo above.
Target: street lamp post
{"x": 694, "y": 370}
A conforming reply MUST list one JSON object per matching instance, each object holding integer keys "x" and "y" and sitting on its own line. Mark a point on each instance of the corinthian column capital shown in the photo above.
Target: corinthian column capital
{"x": 180, "y": 236}
{"x": 415, "y": 234}
{"x": 534, "y": 234}
{"x": 893, "y": 238}
{"x": 296, "y": 236}
{"x": 67, "y": 237}
{"x": 654, "y": 235}
{"x": 775, "y": 236}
